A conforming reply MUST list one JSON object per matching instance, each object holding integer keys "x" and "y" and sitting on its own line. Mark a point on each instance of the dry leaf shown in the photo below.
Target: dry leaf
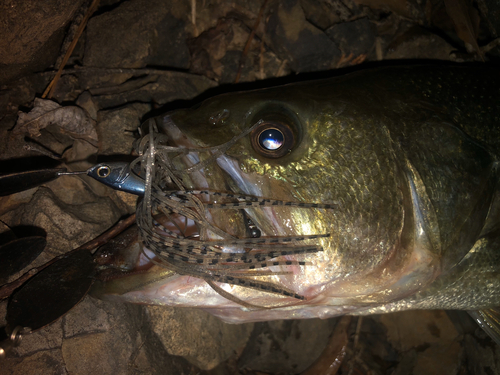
{"x": 72, "y": 120}
{"x": 466, "y": 21}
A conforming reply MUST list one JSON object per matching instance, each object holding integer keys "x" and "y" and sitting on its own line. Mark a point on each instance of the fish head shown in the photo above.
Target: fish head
{"x": 328, "y": 172}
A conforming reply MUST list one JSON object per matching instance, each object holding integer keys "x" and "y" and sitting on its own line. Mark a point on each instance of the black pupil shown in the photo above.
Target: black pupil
{"x": 271, "y": 139}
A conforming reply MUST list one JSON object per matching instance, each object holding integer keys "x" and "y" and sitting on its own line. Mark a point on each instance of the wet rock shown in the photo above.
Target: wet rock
{"x": 140, "y": 33}
{"x": 89, "y": 316}
{"x": 414, "y": 328}
{"x": 45, "y": 339}
{"x": 32, "y": 33}
{"x": 116, "y": 128}
{"x": 86, "y": 102}
{"x": 490, "y": 10}
{"x": 202, "y": 339}
{"x": 324, "y": 14}
{"x": 218, "y": 53}
{"x": 483, "y": 355}
{"x": 296, "y": 40}
{"x": 12, "y": 96}
{"x": 209, "y": 48}
{"x": 82, "y": 354}
{"x": 67, "y": 89}
{"x": 411, "y": 9}
{"x": 67, "y": 226}
{"x": 44, "y": 362}
{"x": 431, "y": 335}
{"x": 11, "y": 202}
{"x": 160, "y": 87}
{"x": 286, "y": 346}
{"x": 169, "y": 47}
{"x": 93, "y": 344}
{"x": 418, "y": 43}
{"x": 355, "y": 37}
{"x": 85, "y": 341}
{"x": 442, "y": 360}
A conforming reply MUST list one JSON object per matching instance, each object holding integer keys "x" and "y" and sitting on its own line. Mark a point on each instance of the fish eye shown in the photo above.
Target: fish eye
{"x": 103, "y": 171}
{"x": 272, "y": 139}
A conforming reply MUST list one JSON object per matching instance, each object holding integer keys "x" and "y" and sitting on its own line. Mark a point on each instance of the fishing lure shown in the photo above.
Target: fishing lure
{"x": 166, "y": 195}
{"x": 116, "y": 175}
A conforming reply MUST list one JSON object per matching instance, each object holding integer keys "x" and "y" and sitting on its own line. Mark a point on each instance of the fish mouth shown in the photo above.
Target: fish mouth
{"x": 240, "y": 183}
{"x": 244, "y": 246}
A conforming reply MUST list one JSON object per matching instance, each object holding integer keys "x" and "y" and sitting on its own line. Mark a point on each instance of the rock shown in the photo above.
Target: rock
{"x": 491, "y": 15}
{"x": 169, "y": 48}
{"x": 140, "y": 33}
{"x": 418, "y": 43}
{"x": 355, "y": 37}
{"x": 483, "y": 355}
{"x": 90, "y": 330}
{"x": 161, "y": 87}
{"x": 412, "y": 9}
{"x": 202, "y": 339}
{"x": 414, "y": 328}
{"x": 83, "y": 354}
{"x": 94, "y": 337}
{"x": 209, "y": 48}
{"x": 48, "y": 338}
{"x": 117, "y": 126}
{"x": 431, "y": 334}
{"x": 32, "y": 33}
{"x": 217, "y": 54}
{"x": 43, "y": 362}
{"x": 286, "y": 346}
{"x": 86, "y": 102}
{"x": 296, "y": 40}
{"x": 324, "y": 13}
{"x": 91, "y": 316}
{"x": 67, "y": 226}
{"x": 11, "y": 202}
{"x": 440, "y": 360}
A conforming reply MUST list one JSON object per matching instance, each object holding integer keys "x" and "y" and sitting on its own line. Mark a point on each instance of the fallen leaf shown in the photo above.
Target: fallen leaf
{"x": 72, "y": 120}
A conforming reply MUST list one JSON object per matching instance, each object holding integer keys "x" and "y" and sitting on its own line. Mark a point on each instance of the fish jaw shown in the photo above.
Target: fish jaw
{"x": 188, "y": 291}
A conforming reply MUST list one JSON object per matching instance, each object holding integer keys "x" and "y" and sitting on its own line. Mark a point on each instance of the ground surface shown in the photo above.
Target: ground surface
{"x": 140, "y": 57}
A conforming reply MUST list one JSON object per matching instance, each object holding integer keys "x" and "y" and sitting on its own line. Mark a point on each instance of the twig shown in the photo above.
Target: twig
{"x": 249, "y": 40}
{"x": 7, "y": 289}
{"x": 99, "y": 70}
{"x": 49, "y": 91}
{"x": 261, "y": 60}
{"x": 193, "y": 17}
{"x": 328, "y": 363}
{"x": 356, "y": 351}
{"x": 281, "y": 68}
{"x": 490, "y": 45}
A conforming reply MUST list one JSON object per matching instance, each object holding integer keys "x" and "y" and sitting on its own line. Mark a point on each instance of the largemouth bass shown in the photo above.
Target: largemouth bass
{"x": 372, "y": 192}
